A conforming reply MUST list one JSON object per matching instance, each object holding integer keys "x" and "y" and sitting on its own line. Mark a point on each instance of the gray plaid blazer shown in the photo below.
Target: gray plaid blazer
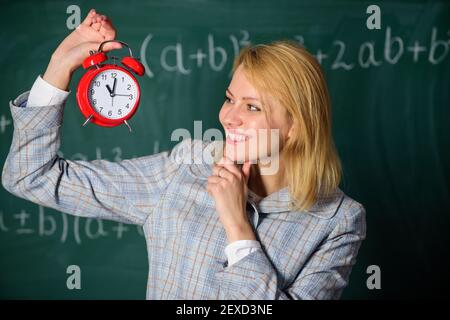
{"x": 305, "y": 255}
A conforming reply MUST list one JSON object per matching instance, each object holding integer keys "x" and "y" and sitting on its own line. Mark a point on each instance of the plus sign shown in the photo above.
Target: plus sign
{"x": 320, "y": 56}
{"x": 416, "y": 49}
{"x": 22, "y": 216}
{"x": 4, "y": 123}
{"x": 156, "y": 146}
{"x": 2, "y": 223}
{"x": 120, "y": 229}
{"x": 300, "y": 39}
{"x": 199, "y": 56}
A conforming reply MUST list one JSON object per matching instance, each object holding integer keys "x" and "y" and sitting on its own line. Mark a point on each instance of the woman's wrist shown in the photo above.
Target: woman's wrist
{"x": 240, "y": 232}
{"x": 58, "y": 73}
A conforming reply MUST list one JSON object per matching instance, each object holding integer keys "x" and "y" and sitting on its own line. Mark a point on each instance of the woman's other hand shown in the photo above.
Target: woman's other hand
{"x": 228, "y": 186}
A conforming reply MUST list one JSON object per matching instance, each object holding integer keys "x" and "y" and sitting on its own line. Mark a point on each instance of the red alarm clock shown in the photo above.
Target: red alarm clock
{"x": 108, "y": 95}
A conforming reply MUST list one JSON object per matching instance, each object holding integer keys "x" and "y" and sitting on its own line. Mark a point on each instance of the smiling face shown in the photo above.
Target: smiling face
{"x": 253, "y": 131}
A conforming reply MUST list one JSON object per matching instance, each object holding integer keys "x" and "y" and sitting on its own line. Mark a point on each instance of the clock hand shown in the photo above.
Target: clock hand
{"x": 109, "y": 89}
{"x": 123, "y": 95}
{"x": 114, "y": 86}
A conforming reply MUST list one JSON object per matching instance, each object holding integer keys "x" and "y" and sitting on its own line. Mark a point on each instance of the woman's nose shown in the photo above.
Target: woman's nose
{"x": 233, "y": 117}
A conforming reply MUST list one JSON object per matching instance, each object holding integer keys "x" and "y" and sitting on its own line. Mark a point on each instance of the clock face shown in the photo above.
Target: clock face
{"x": 113, "y": 93}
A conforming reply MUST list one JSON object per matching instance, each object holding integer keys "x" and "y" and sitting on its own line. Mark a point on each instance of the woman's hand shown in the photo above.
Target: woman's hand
{"x": 71, "y": 52}
{"x": 228, "y": 186}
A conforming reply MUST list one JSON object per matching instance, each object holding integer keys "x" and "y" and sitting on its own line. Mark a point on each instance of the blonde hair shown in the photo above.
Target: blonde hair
{"x": 286, "y": 72}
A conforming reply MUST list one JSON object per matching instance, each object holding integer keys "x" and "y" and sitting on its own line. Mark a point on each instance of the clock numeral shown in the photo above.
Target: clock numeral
{"x": 123, "y": 79}
{"x": 92, "y": 92}
{"x": 110, "y": 113}
{"x": 97, "y": 83}
{"x": 101, "y": 108}
{"x": 129, "y": 87}
{"x": 127, "y": 106}
{"x": 131, "y": 97}
{"x": 104, "y": 76}
{"x": 113, "y": 75}
{"x": 94, "y": 102}
{"x": 119, "y": 112}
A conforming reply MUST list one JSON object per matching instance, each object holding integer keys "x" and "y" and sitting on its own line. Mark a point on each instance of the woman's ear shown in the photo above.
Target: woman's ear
{"x": 290, "y": 133}
{"x": 290, "y": 124}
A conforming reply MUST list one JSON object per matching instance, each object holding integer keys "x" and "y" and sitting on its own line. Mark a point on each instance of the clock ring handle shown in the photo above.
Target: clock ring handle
{"x": 121, "y": 42}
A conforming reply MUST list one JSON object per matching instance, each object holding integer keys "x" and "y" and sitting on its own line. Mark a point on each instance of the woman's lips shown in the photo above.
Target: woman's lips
{"x": 234, "y": 142}
{"x": 234, "y": 139}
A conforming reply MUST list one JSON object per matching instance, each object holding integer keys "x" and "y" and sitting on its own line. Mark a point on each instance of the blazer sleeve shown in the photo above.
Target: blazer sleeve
{"x": 324, "y": 276}
{"x": 124, "y": 191}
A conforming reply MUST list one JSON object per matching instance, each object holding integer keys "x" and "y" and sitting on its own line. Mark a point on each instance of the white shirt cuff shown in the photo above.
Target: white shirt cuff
{"x": 237, "y": 250}
{"x": 44, "y": 94}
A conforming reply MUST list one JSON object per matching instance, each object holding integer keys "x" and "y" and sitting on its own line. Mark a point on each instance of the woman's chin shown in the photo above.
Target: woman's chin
{"x": 238, "y": 157}
{"x": 234, "y": 156}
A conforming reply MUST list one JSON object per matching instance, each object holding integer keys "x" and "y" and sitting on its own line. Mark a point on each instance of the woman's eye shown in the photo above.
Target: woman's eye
{"x": 250, "y": 107}
{"x": 253, "y": 108}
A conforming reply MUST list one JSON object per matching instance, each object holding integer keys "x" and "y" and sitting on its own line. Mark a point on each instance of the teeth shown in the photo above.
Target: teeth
{"x": 236, "y": 137}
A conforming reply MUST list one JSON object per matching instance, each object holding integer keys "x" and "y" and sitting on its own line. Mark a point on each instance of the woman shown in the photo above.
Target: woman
{"x": 266, "y": 220}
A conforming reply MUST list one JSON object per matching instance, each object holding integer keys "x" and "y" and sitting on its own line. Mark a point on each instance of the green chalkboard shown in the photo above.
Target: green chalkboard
{"x": 391, "y": 112}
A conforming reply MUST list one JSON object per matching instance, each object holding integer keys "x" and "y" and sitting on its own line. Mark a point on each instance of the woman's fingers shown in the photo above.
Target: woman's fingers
{"x": 88, "y": 20}
{"x": 232, "y": 168}
{"x": 107, "y": 30}
{"x": 111, "y": 46}
{"x": 246, "y": 170}
{"x": 94, "y": 20}
{"x": 214, "y": 179}
{"x": 109, "y": 33}
{"x": 220, "y": 171}
{"x": 99, "y": 28}
{"x": 96, "y": 26}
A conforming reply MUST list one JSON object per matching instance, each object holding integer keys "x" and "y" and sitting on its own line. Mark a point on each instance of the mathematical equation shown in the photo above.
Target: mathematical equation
{"x": 45, "y": 225}
{"x": 115, "y": 151}
{"x": 175, "y": 58}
